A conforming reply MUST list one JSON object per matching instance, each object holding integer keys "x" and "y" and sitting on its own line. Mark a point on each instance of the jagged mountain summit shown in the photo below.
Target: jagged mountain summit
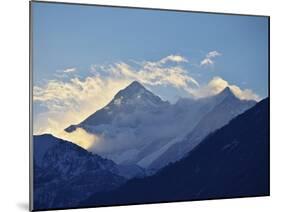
{"x": 132, "y": 98}
{"x": 138, "y": 128}
{"x": 137, "y": 93}
{"x": 226, "y": 92}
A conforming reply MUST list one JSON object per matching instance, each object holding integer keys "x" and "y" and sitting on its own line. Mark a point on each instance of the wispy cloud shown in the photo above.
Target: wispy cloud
{"x": 207, "y": 62}
{"x": 159, "y": 72}
{"x": 70, "y": 100}
{"x": 209, "y": 59}
{"x": 174, "y": 58}
{"x": 64, "y": 73}
{"x": 213, "y": 54}
{"x": 68, "y": 70}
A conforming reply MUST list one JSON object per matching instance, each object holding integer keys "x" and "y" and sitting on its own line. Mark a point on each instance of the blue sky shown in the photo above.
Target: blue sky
{"x": 76, "y": 38}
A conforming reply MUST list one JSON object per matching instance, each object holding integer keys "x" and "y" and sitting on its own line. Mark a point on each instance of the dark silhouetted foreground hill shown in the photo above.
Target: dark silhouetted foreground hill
{"x": 65, "y": 174}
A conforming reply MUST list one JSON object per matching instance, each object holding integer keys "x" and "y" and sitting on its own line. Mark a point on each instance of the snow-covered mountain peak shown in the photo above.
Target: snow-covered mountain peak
{"x": 134, "y": 98}
{"x": 136, "y": 93}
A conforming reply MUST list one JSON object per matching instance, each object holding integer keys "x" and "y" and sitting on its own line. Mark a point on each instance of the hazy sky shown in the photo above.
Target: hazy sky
{"x": 91, "y": 52}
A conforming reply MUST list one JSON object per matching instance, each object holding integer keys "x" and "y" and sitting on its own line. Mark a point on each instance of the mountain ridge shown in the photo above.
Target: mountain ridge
{"x": 227, "y": 106}
{"x": 132, "y": 120}
{"x": 231, "y": 162}
{"x": 65, "y": 167}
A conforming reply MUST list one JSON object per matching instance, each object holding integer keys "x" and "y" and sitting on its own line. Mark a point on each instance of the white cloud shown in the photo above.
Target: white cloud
{"x": 151, "y": 72}
{"x": 154, "y": 74}
{"x": 64, "y": 73}
{"x": 68, "y": 70}
{"x": 174, "y": 58}
{"x": 217, "y": 84}
{"x": 206, "y": 62}
{"x": 213, "y": 54}
{"x": 209, "y": 59}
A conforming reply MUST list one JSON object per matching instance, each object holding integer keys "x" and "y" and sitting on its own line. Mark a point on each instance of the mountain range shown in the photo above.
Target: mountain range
{"x": 138, "y": 128}
{"x": 153, "y": 151}
{"x": 231, "y": 162}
